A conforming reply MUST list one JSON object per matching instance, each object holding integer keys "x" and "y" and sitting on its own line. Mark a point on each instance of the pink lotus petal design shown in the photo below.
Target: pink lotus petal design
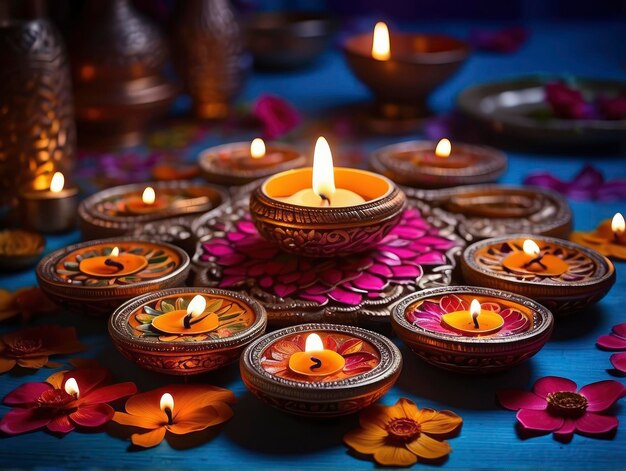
{"x": 557, "y": 405}
{"x": 615, "y": 342}
{"x": 246, "y": 260}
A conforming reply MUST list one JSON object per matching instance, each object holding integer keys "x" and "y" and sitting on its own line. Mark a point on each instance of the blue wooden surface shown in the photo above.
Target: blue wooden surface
{"x": 261, "y": 438}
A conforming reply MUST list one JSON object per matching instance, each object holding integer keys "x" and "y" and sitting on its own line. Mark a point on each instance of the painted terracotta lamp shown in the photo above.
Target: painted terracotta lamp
{"x": 609, "y": 238}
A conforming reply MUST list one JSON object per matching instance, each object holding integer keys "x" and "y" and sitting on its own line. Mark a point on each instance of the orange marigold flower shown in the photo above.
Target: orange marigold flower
{"x": 195, "y": 408}
{"x": 30, "y": 348}
{"x": 399, "y": 435}
{"x": 24, "y": 301}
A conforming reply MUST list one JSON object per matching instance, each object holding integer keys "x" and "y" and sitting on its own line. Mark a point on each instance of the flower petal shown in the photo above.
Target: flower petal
{"x": 26, "y": 393}
{"x": 611, "y": 342}
{"x": 202, "y": 418}
{"x": 429, "y": 448}
{"x": 618, "y": 360}
{"x": 442, "y": 422}
{"x": 108, "y": 393}
{"x": 515, "y": 399}
{"x": 365, "y": 441}
{"x": 375, "y": 417}
{"x": 620, "y": 330}
{"x": 6, "y": 364}
{"x": 539, "y": 420}
{"x": 22, "y": 420}
{"x": 603, "y": 394}
{"x": 148, "y": 439}
{"x": 92, "y": 415}
{"x": 34, "y": 362}
{"x": 566, "y": 430}
{"x": 61, "y": 424}
{"x": 596, "y": 424}
{"x": 137, "y": 420}
{"x": 550, "y": 384}
{"x": 394, "y": 456}
{"x": 87, "y": 378}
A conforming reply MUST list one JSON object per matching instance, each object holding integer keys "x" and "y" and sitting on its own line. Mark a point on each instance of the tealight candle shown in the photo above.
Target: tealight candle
{"x": 323, "y": 191}
{"x": 52, "y": 210}
{"x": 609, "y": 238}
{"x": 476, "y": 321}
{"x": 531, "y": 260}
{"x": 148, "y": 203}
{"x": 316, "y": 360}
{"x": 257, "y": 157}
{"x": 115, "y": 264}
{"x": 196, "y": 319}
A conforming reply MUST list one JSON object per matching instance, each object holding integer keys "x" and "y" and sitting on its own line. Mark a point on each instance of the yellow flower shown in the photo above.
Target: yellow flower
{"x": 400, "y": 434}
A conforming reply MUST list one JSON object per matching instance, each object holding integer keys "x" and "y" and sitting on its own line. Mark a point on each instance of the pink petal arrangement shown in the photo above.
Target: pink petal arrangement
{"x": 245, "y": 258}
{"x": 557, "y": 405}
{"x": 567, "y": 102}
{"x": 615, "y": 342}
{"x": 67, "y": 400}
{"x": 277, "y": 116}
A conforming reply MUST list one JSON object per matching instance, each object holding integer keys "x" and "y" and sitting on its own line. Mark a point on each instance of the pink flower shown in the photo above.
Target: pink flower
{"x": 615, "y": 341}
{"x": 612, "y": 108}
{"x": 277, "y": 116}
{"x": 566, "y": 102}
{"x": 57, "y": 406}
{"x": 556, "y": 406}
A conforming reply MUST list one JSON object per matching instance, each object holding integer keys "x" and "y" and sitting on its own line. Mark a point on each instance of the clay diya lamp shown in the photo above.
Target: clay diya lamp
{"x": 320, "y": 370}
{"x": 242, "y": 162}
{"x": 324, "y": 211}
{"x": 185, "y": 331}
{"x": 122, "y": 209}
{"x": 402, "y": 70}
{"x": 483, "y": 211}
{"x": 20, "y": 249}
{"x": 95, "y": 277}
{"x": 608, "y": 239}
{"x": 49, "y": 210}
{"x": 470, "y": 329}
{"x": 428, "y": 164}
{"x": 561, "y": 275}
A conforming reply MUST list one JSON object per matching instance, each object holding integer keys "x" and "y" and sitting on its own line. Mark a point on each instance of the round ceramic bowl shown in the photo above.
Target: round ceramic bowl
{"x": 371, "y": 365}
{"x": 105, "y": 213}
{"x": 135, "y": 330}
{"x": 588, "y": 276}
{"x": 20, "y": 249}
{"x": 215, "y": 168}
{"x": 413, "y": 163}
{"x": 417, "y": 321}
{"x": 61, "y": 277}
{"x": 327, "y": 231}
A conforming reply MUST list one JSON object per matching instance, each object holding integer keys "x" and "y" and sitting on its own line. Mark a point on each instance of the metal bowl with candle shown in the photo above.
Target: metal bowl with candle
{"x": 564, "y": 276}
{"x": 185, "y": 331}
{"x": 95, "y": 277}
{"x": 239, "y": 163}
{"x": 470, "y": 329}
{"x": 324, "y": 211}
{"x": 401, "y": 70}
{"x": 122, "y": 209}
{"x": 320, "y": 370}
{"x": 428, "y": 164}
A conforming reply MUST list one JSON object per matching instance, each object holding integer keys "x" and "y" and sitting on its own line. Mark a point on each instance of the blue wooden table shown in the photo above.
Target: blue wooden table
{"x": 261, "y": 438}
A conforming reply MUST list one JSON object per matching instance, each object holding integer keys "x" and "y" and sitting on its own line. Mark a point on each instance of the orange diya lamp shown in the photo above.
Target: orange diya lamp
{"x": 146, "y": 204}
{"x": 609, "y": 238}
{"x": 531, "y": 260}
{"x": 114, "y": 264}
{"x": 196, "y": 319}
{"x": 474, "y": 322}
{"x": 316, "y": 360}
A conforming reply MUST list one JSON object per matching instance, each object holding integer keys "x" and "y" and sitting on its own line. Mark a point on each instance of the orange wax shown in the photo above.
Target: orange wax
{"x": 136, "y": 205}
{"x": 605, "y": 231}
{"x": 316, "y": 363}
{"x": 554, "y": 266}
{"x": 489, "y": 322}
{"x": 96, "y": 266}
{"x": 174, "y": 323}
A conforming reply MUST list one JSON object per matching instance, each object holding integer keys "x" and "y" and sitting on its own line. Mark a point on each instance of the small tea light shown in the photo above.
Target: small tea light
{"x": 562, "y": 275}
{"x": 52, "y": 210}
{"x": 113, "y": 265}
{"x": 242, "y": 162}
{"x": 609, "y": 238}
{"x": 325, "y": 211}
{"x": 429, "y": 164}
{"x": 472, "y": 329}
{"x": 320, "y": 370}
{"x": 148, "y": 203}
{"x": 186, "y": 331}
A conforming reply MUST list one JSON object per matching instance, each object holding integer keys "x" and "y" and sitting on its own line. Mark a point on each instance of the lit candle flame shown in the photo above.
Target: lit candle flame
{"x": 148, "y": 196}
{"x": 443, "y": 148}
{"x": 57, "y": 182}
{"x": 196, "y": 306}
{"x": 313, "y": 343}
{"x": 257, "y": 148}
{"x": 115, "y": 252}
{"x": 71, "y": 387}
{"x": 475, "y": 307}
{"x": 167, "y": 402}
{"x": 323, "y": 173}
{"x": 618, "y": 225}
{"x": 531, "y": 248}
{"x": 380, "y": 43}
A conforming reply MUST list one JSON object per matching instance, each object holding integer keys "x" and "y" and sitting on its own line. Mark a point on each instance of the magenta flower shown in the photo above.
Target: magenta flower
{"x": 615, "y": 342}
{"x": 566, "y": 102}
{"x": 246, "y": 259}
{"x": 505, "y": 40}
{"x": 556, "y": 406}
{"x": 277, "y": 115}
{"x": 76, "y": 398}
{"x": 612, "y": 108}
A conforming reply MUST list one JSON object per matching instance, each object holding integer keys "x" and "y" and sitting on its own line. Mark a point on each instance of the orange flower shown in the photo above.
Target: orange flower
{"x": 30, "y": 348}
{"x": 400, "y": 434}
{"x": 195, "y": 408}
{"x": 25, "y": 301}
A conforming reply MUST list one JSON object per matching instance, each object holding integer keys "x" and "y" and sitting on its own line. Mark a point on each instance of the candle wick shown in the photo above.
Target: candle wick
{"x": 112, "y": 263}
{"x": 536, "y": 260}
{"x": 475, "y": 319}
{"x": 317, "y": 363}
{"x": 170, "y": 419}
{"x": 325, "y": 200}
{"x": 616, "y": 237}
{"x": 188, "y": 320}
